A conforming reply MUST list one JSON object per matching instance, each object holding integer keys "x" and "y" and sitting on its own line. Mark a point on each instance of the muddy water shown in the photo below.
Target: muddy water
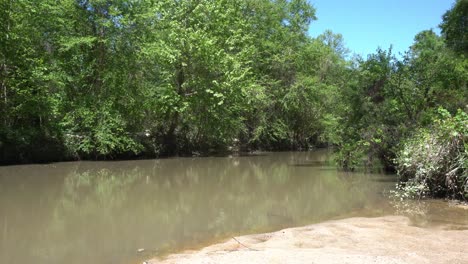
{"x": 103, "y": 212}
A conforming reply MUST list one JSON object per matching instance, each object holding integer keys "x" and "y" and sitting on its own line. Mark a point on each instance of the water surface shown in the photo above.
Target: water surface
{"x": 103, "y": 212}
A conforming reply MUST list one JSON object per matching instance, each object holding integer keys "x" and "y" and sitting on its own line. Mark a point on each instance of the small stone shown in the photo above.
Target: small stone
{"x": 140, "y": 250}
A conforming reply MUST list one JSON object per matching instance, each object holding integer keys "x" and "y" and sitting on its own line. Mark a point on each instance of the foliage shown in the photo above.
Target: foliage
{"x": 454, "y": 27}
{"x": 435, "y": 160}
{"x": 98, "y": 79}
{"x": 388, "y": 97}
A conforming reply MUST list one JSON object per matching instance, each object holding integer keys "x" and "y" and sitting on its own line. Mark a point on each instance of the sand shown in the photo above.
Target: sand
{"x": 389, "y": 239}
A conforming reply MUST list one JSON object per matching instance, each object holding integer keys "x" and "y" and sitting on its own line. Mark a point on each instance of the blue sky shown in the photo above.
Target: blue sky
{"x": 368, "y": 24}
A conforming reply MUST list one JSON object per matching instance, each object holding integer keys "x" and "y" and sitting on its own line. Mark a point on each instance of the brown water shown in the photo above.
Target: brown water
{"x": 103, "y": 212}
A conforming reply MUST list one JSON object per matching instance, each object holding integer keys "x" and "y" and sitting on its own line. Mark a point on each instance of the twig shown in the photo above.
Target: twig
{"x": 245, "y": 245}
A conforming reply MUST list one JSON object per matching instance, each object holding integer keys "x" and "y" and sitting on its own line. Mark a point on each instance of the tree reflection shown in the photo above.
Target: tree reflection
{"x": 103, "y": 212}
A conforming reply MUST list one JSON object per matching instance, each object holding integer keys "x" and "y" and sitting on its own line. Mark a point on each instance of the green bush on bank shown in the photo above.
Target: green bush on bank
{"x": 434, "y": 161}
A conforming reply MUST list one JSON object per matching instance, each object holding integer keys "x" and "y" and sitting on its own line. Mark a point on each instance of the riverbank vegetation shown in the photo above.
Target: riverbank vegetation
{"x": 101, "y": 79}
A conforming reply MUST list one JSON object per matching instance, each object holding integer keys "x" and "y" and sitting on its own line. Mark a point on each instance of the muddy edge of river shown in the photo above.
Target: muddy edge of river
{"x": 388, "y": 239}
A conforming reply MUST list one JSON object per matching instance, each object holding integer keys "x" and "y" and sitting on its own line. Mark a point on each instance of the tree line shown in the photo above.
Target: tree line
{"x": 96, "y": 78}
{"x": 93, "y": 79}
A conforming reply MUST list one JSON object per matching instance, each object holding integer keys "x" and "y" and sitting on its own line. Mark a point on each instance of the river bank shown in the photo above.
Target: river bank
{"x": 388, "y": 239}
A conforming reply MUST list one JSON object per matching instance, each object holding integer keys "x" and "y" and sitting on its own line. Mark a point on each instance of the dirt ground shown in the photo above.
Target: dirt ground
{"x": 389, "y": 239}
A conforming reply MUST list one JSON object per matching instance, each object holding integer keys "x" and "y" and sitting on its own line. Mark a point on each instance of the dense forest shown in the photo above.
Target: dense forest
{"x": 99, "y": 79}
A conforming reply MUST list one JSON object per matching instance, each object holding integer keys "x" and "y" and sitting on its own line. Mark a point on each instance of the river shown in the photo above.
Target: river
{"x": 128, "y": 211}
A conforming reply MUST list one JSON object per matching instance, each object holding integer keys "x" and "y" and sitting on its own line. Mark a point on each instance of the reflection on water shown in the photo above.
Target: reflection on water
{"x": 102, "y": 212}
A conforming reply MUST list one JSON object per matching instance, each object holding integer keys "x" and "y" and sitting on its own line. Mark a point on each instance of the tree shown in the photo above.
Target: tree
{"x": 30, "y": 90}
{"x": 454, "y": 27}
{"x": 335, "y": 42}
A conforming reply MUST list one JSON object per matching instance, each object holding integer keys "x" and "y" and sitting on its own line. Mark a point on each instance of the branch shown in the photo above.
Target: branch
{"x": 244, "y": 245}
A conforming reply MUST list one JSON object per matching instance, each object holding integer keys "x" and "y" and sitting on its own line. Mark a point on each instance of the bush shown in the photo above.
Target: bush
{"x": 434, "y": 161}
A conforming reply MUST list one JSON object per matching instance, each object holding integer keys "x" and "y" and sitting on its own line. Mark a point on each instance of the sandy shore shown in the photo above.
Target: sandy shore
{"x": 389, "y": 239}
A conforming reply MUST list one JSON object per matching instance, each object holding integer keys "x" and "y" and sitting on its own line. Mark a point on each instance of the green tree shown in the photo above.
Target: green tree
{"x": 454, "y": 27}
{"x": 99, "y": 70}
{"x": 30, "y": 90}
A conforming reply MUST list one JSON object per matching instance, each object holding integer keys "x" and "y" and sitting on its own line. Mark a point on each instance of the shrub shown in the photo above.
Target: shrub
{"x": 434, "y": 161}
